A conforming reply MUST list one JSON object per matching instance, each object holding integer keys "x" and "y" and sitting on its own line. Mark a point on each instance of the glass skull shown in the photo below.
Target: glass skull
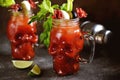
{"x": 66, "y": 40}
{"x": 22, "y": 37}
{"x": 66, "y": 45}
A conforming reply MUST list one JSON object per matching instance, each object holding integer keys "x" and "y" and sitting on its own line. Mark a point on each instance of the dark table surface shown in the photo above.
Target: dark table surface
{"x": 103, "y": 67}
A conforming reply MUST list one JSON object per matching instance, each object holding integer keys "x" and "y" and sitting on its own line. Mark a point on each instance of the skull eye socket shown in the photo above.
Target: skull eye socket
{"x": 25, "y": 37}
{"x": 18, "y": 36}
{"x": 68, "y": 48}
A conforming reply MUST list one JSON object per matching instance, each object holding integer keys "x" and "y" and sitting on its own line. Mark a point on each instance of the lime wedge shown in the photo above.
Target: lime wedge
{"x": 21, "y": 64}
{"x": 35, "y": 70}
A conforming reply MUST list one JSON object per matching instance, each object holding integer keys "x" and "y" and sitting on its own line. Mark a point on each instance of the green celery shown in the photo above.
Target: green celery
{"x": 45, "y": 14}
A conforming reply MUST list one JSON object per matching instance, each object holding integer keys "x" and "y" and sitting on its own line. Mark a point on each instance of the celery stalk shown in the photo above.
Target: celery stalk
{"x": 70, "y": 5}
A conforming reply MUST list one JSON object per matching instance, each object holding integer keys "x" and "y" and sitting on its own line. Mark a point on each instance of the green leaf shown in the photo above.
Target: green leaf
{"x": 67, "y": 6}
{"x": 6, "y": 3}
{"x": 45, "y": 14}
{"x": 47, "y": 42}
{"x": 55, "y": 6}
{"x": 64, "y": 7}
{"x": 43, "y": 36}
{"x": 47, "y": 24}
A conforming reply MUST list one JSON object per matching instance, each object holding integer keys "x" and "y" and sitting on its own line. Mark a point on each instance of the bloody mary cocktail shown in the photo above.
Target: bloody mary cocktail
{"x": 66, "y": 40}
{"x": 22, "y": 37}
{"x": 21, "y": 34}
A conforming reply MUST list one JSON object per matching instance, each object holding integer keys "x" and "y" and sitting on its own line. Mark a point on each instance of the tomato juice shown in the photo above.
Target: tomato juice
{"x": 22, "y": 36}
{"x": 66, "y": 40}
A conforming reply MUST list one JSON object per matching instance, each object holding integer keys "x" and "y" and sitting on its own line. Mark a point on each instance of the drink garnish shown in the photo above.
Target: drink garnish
{"x": 35, "y": 71}
{"x": 45, "y": 14}
{"x": 22, "y": 64}
{"x": 48, "y": 12}
{"x": 81, "y": 13}
{"x": 6, "y": 3}
{"x": 67, "y": 6}
{"x": 32, "y": 3}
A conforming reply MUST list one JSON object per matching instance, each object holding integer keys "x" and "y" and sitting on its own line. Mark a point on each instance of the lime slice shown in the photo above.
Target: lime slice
{"x": 20, "y": 64}
{"x": 6, "y": 3}
{"x": 35, "y": 70}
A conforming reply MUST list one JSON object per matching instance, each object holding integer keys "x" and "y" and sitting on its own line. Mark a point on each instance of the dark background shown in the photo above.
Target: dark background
{"x": 105, "y": 12}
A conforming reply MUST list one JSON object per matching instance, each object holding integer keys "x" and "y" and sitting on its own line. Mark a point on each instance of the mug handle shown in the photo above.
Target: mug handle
{"x": 91, "y": 40}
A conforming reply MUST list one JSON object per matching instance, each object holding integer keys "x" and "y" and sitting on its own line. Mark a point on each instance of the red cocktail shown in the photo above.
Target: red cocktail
{"x": 22, "y": 36}
{"x": 66, "y": 40}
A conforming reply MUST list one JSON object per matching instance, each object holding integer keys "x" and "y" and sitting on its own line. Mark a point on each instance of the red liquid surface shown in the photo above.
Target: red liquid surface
{"x": 22, "y": 37}
{"x": 65, "y": 43}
